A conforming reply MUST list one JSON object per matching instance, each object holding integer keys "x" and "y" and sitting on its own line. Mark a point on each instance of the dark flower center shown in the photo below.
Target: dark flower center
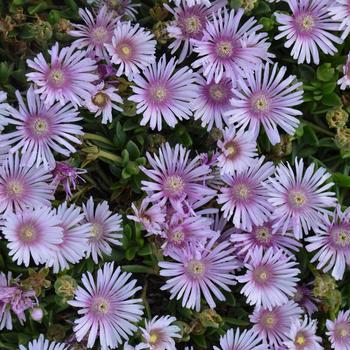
{"x": 100, "y": 99}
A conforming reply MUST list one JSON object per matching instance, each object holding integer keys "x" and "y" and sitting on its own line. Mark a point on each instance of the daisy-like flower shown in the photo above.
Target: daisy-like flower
{"x": 164, "y": 94}
{"x": 132, "y": 49}
{"x": 228, "y": 49}
{"x": 212, "y": 102}
{"x": 244, "y": 200}
{"x": 43, "y": 344}
{"x": 5, "y": 311}
{"x": 4, "y": 152}
{"x": 118, "y": 8}
{"x": 68, "y": 176}
{"x": 4, "y": 110}
{"x": 41, "y": 129}
{"x": 308, "y": 29}
{"x": 339, "y": 331}
{"x": 96, "y": 32}
{"x": 200, "y": 272}
{"x": 332, "y": 243}
{"x": 263, "y": 236}
{"x": 236, "y": 151}
{"x": 265, "y": 98}
{"x": 22, "y": 186}
{"x": 151, "y": 217}
{"x": 180, "y": 231}
{"x": 176, "y": 178}
{"x": 305, "y": 299}
{"x": 299, "y": 198}
{"x": 102, "y": 100}
{"x": 105, "y": 229}
{"x": 32, "y": 233}
{"x": 189, "y": 23}
{"x": 344, "y": 82}
{"x": 302, "y": 335}
{"x": 158, "y": 334}
{"x": 271, "y": 278}
{"x": 107, "y": 310}
{"x": 192, "y": 2}
{"x": 340, "y": 11}
{"x": 237, "y": 340}
{"x": 273, "y": 325}
{"x": 75, "y": 238}
{"x": 67, "y": 78}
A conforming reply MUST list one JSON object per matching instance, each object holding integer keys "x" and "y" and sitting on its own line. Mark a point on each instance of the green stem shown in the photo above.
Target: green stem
{"x": 110, "y": 156}
{"x": 319, "y": 128}
{"x": 99, "y": 138}
{"x": 144, "y": 299}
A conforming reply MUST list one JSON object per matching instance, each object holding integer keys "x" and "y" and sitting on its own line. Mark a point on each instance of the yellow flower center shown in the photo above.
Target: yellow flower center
{"x": 342, "y": 238}
{"x": 263, "y": 234}
{"x": 96, "y": 230}
{"x": 159, "y": 93}
{"x": 306, "y": 23}
{"x": 260, "y": 104}
{"x": 297, "y": 199}
{"x": 192, "y": 24}
{"x": 196, "y": 268}
{"x": 101, "y": 306}
{"x": 269, "y": 320}
{"x": 14, "y": 188}
{"x": 178, "y": 236}
{"x": 300, "y": 340}
{"x": 40, "y": 126}
{"x": 260, "y": 274}
{"x": 153, "y": 337}
{"x": 174, "y": 184}
{"x": 57, "y": 77}
{"x": 100, "y": 99}
{"x": 241, "y": 191}
{"x": 125, "y": 50}
{"x": 224, "y": 49}
{"x": 28, "y": 233}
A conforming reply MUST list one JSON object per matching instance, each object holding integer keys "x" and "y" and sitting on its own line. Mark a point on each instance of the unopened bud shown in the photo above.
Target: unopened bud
{"x": 37, "y": 314}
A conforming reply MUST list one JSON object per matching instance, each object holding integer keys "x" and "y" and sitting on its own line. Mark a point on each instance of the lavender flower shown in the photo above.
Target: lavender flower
{"x": 75, "y": 238}
{"x": 176, "y": 178}
{"x": 40, "y": 130}
{"x": 103, "y": 100}
{"x": 32, "y": 233}
{"x": 344, "y": 82}
{"x": 228, "y": 49}
{"x": 237, "y": 340}
{"x": 244, "y": 200}
{"x": 273, "y": 325}
{"x": 236, "y": 151}
{"x": 189, "y": 23}
{"x": 266, "y": 98}
{"x": 95, "y": 33}
{"x": 158, "y": 334}
{"x": 107, "y": 310}
{"x": 308, "y": 29}
{"x": 212, "y": 101}
{"x": 303, "y": 296}
{"x": 22, "y": 186}
{"x": 302, "y": 335}
{"x": 164, "y": 94}
{"x": 4, "y": 110}
{"x": 271, "y": 278}
{"x": 105, "y": 229}
{"x": 196, "y": 272}
{"x": 339, "y": 331}
{"x": 299, "y": 197}
{"x": 43, "y": 344}
{"x": 118, "y": 8}
{"x": 340, "y": 10}
{"x": 67, "y": 78}
{"x": 132, "y": 49}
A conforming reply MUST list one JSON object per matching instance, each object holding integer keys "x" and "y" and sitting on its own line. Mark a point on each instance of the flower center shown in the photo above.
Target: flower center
{"x": 241, "y": 191}
{"x": 159, "y": 93}
{"x": 196, "y": 268}
{"x": 100, "y": 35}
{"x": 100, "y": 99}
{"x": 224, "y": 49}
{"x": 263, "y": 235}
{"x": 217, "y": 92}
{"x": 96, "y": 230}
{"x": 28, "y": 233}
{"x": 174, "y": 185}
{"x": 125, "y": 50}
{"x": 231, "y": 149}
{"x": 153, "y": 337}
{"x": 57, "y": 78}
{"x": 305, "y": 22}
{"x": 14, "y": 188}
{"x": 300, "y": 339}
{"x": 341, "y": 237}
{"x": 39, "y": 126}
{"x": 342, "y": 330}
{"x": 269, "y": 320}
{"x": 178, "y": 236}
{"x": 101, "y": 306}
{"x": 260, "y": 104}
{"x": 261, "y": 274}
{"x": 192, "y": 25}
{"x": 297, "y": 199}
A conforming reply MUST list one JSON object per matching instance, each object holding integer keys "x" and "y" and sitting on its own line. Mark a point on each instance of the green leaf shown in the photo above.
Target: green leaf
{"x": 331, "y": 100}
{"x": 199, "y": 340}
{"x": 130, "y": 253}
{"x": 133, "y": 150}
{"x": 137, "y": 269}
{"x": 341, "y": 179}
{"x": 325, "y": 72}
{"x": 128, "y": 231}
{"x": 145, "y": 250}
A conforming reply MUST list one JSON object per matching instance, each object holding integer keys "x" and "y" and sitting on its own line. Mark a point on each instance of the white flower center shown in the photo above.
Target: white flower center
{"x": 192, "y": 25}
{"x": 178, "y": 237}
{"x": 297, "y": 199}
{"x": 57, "y": 78}
{"x": 341, "y": 237}
{"x": 269, "y": 320}
{"x": 224, "y": 49}
{"x": 100, "y": 35}
{"x": 260, "y": 104}
{"x": 217, "y": 92}
{"x": 342, "y": 330}
{"x": 305, "y": 22}
{"x": 159, "y": 93}
{"x": 39, "y": 126}
{"x": 100, "y": 99}
{"x": 241, "y": 191}
{"x": 174, "y": 185}
{"x": 14, "y": 188}
{"x": 101, "y": 306}
{"x": 261, "y": 274}
{"x": 96, "y": 230}
{"x": 196, "y": 268}
{"x": 263, "y": 234}
{"x": 28, "y": 233}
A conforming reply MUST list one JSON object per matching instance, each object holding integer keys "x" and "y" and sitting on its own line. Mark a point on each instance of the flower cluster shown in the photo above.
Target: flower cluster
{"x": 226, "y": 223}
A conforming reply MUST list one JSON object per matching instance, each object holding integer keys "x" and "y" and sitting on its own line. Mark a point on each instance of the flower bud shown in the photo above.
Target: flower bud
{"x": 342, "y": 138}
{"x": 65, "y": 286}
{"x": 323, "y": 285}
{"x": 37, "y": 314}
{"x": 337, "y": 117}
